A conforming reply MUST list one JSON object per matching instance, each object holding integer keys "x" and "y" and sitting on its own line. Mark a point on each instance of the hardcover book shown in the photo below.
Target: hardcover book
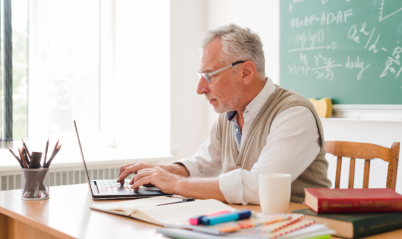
{"x": 355, "y": 225}
{"x": 334, "y": 200}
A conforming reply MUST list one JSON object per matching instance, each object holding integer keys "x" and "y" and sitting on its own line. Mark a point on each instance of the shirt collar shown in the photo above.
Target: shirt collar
{"x": 255, "y": 105}
{"x": 230, "y": 115}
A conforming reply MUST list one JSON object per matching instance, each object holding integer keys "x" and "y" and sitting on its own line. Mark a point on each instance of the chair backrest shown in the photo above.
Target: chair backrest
{"x": 354, "y": 150}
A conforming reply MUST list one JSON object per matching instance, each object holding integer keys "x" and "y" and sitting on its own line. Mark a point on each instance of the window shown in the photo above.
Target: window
{"x": 105, "y": 64}
{"x": 14, "y": 69}
{"x": 64, "y": 78}
{"x": 20, "y": 67}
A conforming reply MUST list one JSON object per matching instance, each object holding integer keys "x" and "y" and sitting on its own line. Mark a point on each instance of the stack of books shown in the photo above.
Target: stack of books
{"x": 354, "y": 213}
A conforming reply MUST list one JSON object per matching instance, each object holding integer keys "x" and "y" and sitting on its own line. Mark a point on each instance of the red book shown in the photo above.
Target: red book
{"x": 334, "y": 200}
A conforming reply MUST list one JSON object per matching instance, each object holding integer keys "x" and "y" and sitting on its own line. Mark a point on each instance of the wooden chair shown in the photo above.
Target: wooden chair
{"x": 365, "y": 151}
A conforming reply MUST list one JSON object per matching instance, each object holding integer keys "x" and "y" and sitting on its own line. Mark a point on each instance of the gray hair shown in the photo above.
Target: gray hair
{"x": 238, "y": 44}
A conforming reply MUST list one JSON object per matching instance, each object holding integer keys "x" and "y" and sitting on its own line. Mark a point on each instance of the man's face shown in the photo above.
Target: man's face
{"x": 225, "y": 89}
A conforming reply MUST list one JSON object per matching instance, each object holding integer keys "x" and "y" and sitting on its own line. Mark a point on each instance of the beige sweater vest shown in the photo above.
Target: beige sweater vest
{"x": 315, "y": 175}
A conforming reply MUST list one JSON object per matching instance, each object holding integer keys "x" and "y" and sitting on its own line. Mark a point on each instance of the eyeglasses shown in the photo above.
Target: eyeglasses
{"x": 207, "y": 76}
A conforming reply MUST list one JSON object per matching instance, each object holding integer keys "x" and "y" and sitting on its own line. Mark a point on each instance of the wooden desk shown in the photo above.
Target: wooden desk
{"x": 67, "y": 215}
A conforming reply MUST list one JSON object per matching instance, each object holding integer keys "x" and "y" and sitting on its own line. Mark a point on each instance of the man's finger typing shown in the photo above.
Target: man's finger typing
{"x": 128, "y": 169}
{"x": 157, "y": 176}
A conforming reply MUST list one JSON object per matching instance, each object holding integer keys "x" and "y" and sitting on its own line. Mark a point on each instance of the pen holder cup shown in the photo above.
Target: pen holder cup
{"x": 34, "y": 183}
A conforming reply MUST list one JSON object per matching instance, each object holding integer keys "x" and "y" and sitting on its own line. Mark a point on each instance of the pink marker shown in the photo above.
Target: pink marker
{"x": 197, "y": 220}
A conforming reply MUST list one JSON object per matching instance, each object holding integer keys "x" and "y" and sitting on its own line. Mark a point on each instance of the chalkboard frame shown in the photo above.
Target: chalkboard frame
{"x": 368, "y": 112}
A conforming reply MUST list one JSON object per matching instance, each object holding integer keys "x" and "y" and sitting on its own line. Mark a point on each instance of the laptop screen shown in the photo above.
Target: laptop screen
{"x": 82, "y": 154}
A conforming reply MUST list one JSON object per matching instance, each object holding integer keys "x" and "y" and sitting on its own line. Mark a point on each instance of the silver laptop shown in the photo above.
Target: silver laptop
{"x": 110, "y": 189}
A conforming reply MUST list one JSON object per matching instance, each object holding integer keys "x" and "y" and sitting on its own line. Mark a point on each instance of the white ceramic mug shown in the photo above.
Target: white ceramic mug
{"x": 274, "y": 190}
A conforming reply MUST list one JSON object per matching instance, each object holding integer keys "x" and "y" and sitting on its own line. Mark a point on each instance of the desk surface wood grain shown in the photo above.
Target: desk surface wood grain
{"x": 67, "y": 215}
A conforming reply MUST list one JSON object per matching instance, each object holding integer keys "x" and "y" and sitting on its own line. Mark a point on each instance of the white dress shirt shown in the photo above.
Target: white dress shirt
{"x": 292, "y": 145}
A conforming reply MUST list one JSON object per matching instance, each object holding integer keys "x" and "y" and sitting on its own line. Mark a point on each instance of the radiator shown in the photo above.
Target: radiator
{"x": 13, "y": 181}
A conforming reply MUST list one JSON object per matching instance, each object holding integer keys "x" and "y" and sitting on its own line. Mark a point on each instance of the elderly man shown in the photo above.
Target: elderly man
{"x": 262, "y": 128}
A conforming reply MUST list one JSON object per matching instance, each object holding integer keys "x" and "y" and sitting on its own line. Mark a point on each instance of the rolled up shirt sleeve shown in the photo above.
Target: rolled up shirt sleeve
{"x": 232, "y": 186}
{"x": 292, "y": 145}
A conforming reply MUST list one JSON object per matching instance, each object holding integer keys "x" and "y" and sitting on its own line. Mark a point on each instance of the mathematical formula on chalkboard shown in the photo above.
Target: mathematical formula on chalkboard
{"x": 349, "y": 50}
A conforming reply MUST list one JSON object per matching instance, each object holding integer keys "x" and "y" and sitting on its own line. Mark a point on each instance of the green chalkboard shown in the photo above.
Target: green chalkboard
{"x": 346, "y": 50}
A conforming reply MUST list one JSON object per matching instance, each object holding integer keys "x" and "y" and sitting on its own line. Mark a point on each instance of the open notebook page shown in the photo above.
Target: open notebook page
{"x": 180, "y": 213}
{"x": 125, "y": 208}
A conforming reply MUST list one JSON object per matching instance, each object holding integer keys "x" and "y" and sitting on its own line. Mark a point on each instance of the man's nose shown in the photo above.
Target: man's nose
{"x": 202, "y": 86}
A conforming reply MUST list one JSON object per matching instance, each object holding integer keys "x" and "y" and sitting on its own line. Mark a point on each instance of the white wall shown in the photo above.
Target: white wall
{"x": 262, "y": 17}
{"x": 188, "y": 110}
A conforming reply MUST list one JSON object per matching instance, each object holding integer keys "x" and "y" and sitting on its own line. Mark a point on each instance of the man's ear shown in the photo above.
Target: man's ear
{"x": 248, "y": 72}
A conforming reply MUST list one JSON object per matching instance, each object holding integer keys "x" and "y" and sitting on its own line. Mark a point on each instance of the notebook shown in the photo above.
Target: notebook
{"x": 150, "y": 209}
{"x": 267, "y": 226}
{"x": 315, "y": 230}
{"x": 274, "y": 230}
{"x": 256, "y": 220}
{"x": 312, "y": 231}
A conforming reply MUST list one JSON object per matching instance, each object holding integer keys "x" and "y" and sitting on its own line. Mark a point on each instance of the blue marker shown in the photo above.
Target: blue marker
{"x": 238, "y": 215}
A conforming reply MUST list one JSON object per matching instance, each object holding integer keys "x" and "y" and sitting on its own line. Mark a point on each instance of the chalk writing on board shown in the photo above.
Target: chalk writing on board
{"x": 327, "y": 18}
{"x": 324, "y": 67}
{"x": 357, "y": 65}
{"x": 382, "y": 17}
{"x": 393, "y": 63}
{"x": 355, "y": 34}
{"x": 301, "y": 68}
{"x": 310, "y": 38}
{"x": 331, "y": 43}
{"x": 373, "y": 46}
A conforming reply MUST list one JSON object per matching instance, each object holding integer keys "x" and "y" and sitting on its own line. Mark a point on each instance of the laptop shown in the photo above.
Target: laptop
{"x": 110, "y": 189}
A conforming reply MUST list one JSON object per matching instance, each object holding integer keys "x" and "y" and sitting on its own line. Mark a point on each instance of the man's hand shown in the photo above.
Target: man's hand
{"x": 157, "y": 176}
{"x": 130, "y": 168}
{"x": 166, "y": 179}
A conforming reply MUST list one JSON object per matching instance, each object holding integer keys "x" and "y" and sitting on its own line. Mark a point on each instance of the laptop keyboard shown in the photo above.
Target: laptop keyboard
{"x": 113, "y": 187}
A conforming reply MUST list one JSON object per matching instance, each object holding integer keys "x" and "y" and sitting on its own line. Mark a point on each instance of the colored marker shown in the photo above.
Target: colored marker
{"x": 197, "y": 220}
{"x": 238, "y": 215}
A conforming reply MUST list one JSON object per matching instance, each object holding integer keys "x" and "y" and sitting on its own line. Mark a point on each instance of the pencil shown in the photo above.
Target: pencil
{"x": 53, "y": 153}
{"x": 53, "y": 156}
{"x": 56, "y": 152}
{"x": 55, "y": 147}
{"x": 22, "y": 158}
{"x": 47, "y": 146}
{"x": 24, "y": 152}
{"x": 29, "y": 155}
{"x": 18, "y": 159}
